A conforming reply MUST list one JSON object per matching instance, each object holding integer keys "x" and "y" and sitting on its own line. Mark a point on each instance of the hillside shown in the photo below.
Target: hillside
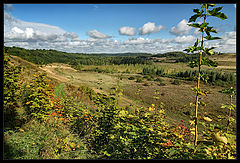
{"x": 88, "y": 111}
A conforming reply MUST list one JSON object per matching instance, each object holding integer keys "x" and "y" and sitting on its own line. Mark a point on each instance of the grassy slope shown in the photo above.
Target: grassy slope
{"x": 175, "y": 97}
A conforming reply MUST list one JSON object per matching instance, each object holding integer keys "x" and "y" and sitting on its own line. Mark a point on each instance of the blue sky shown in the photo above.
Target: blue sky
{"x": 99, "y": 27}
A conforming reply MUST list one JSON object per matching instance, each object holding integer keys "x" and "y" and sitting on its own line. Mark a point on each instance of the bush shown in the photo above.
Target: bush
{"x": 159, "y": 80}
{"x": 12, "y": 92}
{"x": 38, "y": 97}
{"x": 146, "y": 84}
{"x": 131, "y": 78}
{"x": 176, "y": 82}
{"x": 139, "y": 80}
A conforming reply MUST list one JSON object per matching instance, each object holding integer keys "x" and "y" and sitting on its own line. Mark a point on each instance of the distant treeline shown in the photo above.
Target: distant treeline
{"x": 43, "y": 56}
{"x": 213, "y": 77}
{"x": 177, "y": 56}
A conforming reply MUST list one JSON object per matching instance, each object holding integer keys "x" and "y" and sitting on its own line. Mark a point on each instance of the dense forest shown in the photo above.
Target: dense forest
{"x": 43, "y": 56}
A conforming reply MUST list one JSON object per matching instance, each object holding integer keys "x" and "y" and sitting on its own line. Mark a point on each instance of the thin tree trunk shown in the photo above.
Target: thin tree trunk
{"x": 198, "y": 83}
{"x": 229, "y": 114}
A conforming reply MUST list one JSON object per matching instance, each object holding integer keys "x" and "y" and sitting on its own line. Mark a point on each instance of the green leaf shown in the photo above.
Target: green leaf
{"x": 204, "y": 5}
{"x": 212, "y": 38}
{"x": 203, "y": 25}
{"x": 209, "y": 62}
{"x": 202, "y": 103}
{"x": 193, "y": 18}
{"x": 196, "y": 43}
{"x": 209, "y": 51}
{"x": 196, "y": 25}
{"x": 221, "y": 16}
{"x": 215, "y": 12}
{"x": 196, "y": 10}
{"x": 230, "y": 91}
{"x": 210, "y": 29}
{"x": 211, "y": 5}
{"x": 193, "y": 64}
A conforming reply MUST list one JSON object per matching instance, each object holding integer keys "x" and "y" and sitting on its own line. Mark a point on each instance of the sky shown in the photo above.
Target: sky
{"x": 112, "y": 28}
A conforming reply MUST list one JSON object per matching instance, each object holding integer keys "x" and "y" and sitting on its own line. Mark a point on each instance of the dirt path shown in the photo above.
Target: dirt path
{"x": 51, "y": 71}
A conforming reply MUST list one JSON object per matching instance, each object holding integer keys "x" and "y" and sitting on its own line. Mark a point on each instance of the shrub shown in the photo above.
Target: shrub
{"x": 159, "y": 80}
{"x": 131, "y": 78}
{"x": 176, "y": 82}
{"x": 11, "y": 92}
{"x": 38, "y": 97}
{"x": 139, "y": 80}
{"x": 146, "y": 84}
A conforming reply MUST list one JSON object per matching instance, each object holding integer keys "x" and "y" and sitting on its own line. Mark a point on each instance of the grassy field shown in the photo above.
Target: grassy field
{"x": 177, "y": 98}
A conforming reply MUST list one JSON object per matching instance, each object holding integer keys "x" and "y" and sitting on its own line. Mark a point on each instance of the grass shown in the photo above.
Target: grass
{"x": 38, "y": 141}
{"x": 59, "y": 90}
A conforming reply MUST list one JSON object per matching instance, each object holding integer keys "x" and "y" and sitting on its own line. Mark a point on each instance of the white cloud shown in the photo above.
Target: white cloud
{"x": 129, "y": 31}
{"x": 140, "y": 40}
{"x": 150, "y": 28}
{"x": 227, "y": 43}
{"x": 17, "y": 30}
{"x": 97, "y": 35}
{"x": 181, "y": 29}
{"x": 185, "y": 39}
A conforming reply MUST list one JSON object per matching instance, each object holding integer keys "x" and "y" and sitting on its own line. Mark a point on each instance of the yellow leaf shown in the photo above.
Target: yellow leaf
{"x": 21, "y": 130}
{"x": 192, "y": 130}
{"x": 151, "y": 129}
{"x": 191, "y": 122}
{"x": 150, "y": 108}
{"x": 72, "y": 145}
{"x": 219, "y": 138}
{"x": 207, "y": 119}
{"x": 180, "y": 136}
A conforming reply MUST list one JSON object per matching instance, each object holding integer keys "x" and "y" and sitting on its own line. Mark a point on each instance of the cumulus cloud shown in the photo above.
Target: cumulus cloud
{"x": 185, "y": 39}
{"x": 129, "y": 31}
{"x": 181, "y": 29}
{"x": 19, "y": 31}
{"x": 228, "y": 42}
{"x": 140, "y": 40}
{"x": 150, "y": 28}
{"x": 97, "y": 35}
